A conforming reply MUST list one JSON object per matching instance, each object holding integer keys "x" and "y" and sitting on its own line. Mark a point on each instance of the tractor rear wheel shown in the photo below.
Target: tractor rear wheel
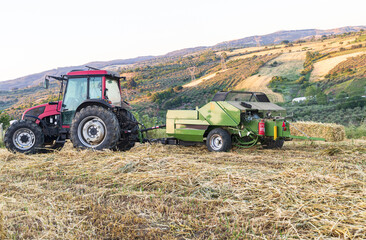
{"x": 128, "y": 122}
{"x": 96, "y": 128}
{"x": 24, "y": 136}
{"x": 218, "y": 140}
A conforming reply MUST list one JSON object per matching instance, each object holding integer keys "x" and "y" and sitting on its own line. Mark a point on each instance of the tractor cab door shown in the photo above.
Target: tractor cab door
{"x": 77, "y": 91}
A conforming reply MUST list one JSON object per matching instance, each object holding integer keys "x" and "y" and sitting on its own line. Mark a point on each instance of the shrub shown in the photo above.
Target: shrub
{"x": 356, "y": 132}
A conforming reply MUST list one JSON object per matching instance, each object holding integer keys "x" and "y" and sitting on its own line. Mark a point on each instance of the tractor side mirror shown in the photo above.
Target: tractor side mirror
{"x": 46, "y": 83}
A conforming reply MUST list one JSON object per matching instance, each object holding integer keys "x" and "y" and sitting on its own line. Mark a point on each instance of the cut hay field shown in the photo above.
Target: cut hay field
{"x": 304, "y": 191}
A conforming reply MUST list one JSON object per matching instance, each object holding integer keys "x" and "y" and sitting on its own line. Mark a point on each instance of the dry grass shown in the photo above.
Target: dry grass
{"x": 323, "y": 67}
{"x": 174, "y": 192}
{"x": 329, "y": 131}
{"x": 2, "y": 230}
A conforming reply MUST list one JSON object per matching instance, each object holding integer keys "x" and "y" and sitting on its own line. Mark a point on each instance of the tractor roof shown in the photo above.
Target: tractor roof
{"x": 92, "y": 72}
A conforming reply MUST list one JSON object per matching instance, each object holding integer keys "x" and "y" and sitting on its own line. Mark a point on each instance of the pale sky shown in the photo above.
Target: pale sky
{"x": 38, "y": 35}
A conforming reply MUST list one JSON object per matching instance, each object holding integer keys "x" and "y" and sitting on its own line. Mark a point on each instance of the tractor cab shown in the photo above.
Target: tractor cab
{"x": 84, "y": 87}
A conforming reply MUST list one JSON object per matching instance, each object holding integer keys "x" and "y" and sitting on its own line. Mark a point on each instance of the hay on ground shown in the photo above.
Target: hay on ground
{"x": 330, "y": 131}
{"x": 2, "y": 229}
{"x": 178, "y": 192}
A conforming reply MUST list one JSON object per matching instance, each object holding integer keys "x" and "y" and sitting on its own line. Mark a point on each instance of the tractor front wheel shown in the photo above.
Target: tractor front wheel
{"x": 96, "y": 128}
{"x": 24, "y": 136}
{"x": 218, "y": 140}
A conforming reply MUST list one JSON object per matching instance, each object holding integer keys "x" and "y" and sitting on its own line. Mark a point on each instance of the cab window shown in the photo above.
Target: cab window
{"x": 112, "y": 92}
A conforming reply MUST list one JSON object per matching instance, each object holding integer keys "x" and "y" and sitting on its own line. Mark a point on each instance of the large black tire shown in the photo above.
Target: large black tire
{"x": 129, "y": 122}
{"x": 24, "y": 136}
{"x": 218, "y": 140}
{"x": 96, "y": 128}
{"x": 272, "y": 144}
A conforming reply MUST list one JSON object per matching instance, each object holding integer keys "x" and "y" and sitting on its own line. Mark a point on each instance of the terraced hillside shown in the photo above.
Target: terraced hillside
{"x": 283, "y": 71}
{"x": 287, "y": 65}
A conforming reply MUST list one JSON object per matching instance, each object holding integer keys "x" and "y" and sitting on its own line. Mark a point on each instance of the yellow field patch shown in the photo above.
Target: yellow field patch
{"x": 323, "y": 67}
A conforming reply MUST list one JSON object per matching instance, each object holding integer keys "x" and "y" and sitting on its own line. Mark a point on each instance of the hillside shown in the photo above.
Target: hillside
{"x": 320, "y": 68}
{"x": 292, "y": 35}
{"x": 288, "y": 65}
{"x": 306, "y": 191}
{"x": 273, "y": 38}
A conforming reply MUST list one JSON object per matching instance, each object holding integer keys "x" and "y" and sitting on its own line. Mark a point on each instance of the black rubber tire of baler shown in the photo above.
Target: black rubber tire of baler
{"x": 226, "y": 139}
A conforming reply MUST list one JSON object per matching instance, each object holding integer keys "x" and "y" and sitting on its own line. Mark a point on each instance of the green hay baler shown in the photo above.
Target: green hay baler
{"x": 235, "y": 118}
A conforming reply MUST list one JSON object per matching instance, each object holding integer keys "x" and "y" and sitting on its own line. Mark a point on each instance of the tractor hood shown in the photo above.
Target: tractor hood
{"x": 261, "y": 106}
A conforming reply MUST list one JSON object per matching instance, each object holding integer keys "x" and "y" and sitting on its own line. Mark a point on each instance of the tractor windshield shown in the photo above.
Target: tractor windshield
{"x": 113, "y": 92}
{"x": 77, "y": 92}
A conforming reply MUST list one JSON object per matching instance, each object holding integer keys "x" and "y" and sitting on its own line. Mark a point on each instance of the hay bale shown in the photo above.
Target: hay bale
{"x": 330, "y": 131}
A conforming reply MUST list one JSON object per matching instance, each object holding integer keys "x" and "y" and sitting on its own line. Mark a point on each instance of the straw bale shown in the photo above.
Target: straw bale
{"x": 330, "y": 131}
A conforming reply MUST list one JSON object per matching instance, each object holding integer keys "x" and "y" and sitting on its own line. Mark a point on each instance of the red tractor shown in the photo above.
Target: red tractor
{"x": 92, "y": 114}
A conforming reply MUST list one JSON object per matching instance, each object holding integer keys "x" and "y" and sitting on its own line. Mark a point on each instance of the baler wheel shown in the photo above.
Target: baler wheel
{"x": 218, "y": 140}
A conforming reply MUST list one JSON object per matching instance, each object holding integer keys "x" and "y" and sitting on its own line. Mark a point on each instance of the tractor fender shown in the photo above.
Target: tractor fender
{"x": 97, "y": 102}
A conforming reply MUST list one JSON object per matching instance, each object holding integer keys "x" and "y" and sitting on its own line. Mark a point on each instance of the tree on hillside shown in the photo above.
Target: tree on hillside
{"x": 342, "y": 96}
{"x": 285, "y": 42}
{"x": 321, "y": 98}
{"x": 311, "y": 92}
{"x": 131, "y": 83}
{"x": 5, "y": 119}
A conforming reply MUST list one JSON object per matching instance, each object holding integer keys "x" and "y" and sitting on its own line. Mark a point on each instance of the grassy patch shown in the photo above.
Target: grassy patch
{"x": 356, "y": 132}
